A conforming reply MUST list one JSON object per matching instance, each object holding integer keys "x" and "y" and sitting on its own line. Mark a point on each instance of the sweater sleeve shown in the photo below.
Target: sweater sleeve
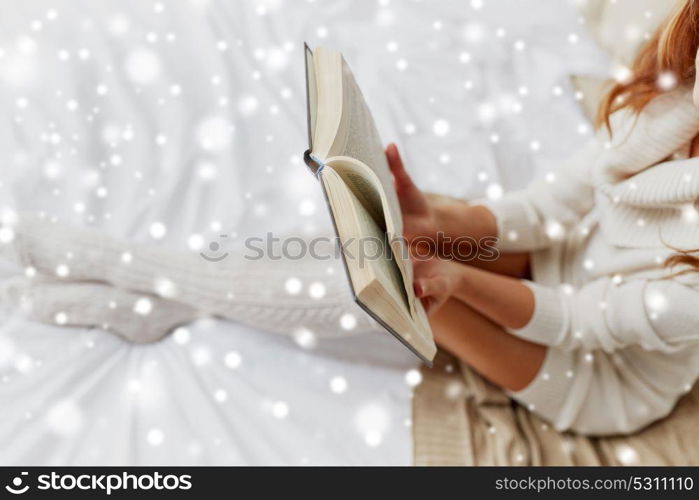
{"x": 537, "y": 216}
{"x": 658, "y": 315}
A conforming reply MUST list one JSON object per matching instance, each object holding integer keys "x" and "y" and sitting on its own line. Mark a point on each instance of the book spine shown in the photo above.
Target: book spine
{"x": 313, "y": 162}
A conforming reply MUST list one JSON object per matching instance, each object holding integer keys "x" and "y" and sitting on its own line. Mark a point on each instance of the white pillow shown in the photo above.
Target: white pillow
{"x": 622, "y": 26}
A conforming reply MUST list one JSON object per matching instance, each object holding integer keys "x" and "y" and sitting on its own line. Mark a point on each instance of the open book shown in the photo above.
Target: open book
{"x": 346, "y": 155}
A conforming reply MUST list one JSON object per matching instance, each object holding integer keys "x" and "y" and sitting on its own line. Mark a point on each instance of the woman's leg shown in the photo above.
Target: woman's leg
{"x": 499, "y": 356}
{"x": 515, "y": 265}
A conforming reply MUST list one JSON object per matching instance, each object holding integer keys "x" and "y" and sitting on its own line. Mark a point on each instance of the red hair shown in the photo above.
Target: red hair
{"x": 671, "y": 50}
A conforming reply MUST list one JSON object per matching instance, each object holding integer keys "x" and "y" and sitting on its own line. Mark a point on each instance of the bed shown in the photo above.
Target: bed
{"x": 169, "y": 122}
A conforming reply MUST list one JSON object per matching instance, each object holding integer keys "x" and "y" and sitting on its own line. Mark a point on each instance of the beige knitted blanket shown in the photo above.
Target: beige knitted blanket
{"x": 461, "y": 419}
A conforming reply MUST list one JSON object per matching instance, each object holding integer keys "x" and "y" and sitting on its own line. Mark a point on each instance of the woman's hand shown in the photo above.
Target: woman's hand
{"x": 437, "y": 225}
{"x": 419, "y": 217}
{"x": 435, "y": 280}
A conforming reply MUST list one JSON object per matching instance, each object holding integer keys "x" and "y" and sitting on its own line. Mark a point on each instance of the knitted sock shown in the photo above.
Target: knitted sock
{"x": 135, "y": 317}
{"x": 300, "y": 297}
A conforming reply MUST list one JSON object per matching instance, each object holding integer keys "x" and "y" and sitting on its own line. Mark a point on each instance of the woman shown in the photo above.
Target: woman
{"x": 604, "y": 337}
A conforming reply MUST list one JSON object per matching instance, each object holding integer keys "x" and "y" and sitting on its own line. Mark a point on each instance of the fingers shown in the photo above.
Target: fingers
{"x": 397, "y": 168}
{"x": 430, "y": 287}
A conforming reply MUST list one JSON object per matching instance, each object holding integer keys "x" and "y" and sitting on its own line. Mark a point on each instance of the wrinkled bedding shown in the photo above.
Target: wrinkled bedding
{"x": 172, "y": 123}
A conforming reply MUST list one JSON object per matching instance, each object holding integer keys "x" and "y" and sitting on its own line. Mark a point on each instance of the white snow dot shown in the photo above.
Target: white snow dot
{"x": 52, "y": 169}
{"x": 62, "y": 270}
{"x": 233, "y": 359}
{"x": 126, "y": 258}
{"x": 440, "y": 127}
{"x": 214, "y": 133}
{"x": 220, "y": 395}
{"x": 373, "y": 438}
{"x": 207, "y": 171}
{"x": 656, "y": 301}
{"x": 626, "y": 455}
{"x": 555, "y": 230}
{"x": 143, "y": 66}
{"x": 372, "y": 419}
{"x": 316, "y": 290}
{"x": 293, "y": 286}
{"x": 307, "y": 208}
{"x": 181, "y": 335}
{"x": 165, "y": 287}
{"x": 622, "y": 74}
{"x": 305, "y": 338}
{"x": 195, "y": 242}
{"x": 690, "y": 214}
{"x": 280, "y": 409}
{"x": 276, "y": 58}
{"x": 486, "y": 112}
{"x": 201, "y": 356}
{"x": 667, "y": 80}
{"x": 61, "y": 318}
{"x": 413, "y": 377}
{"x": 143, "y": 306}
{"x": 494, "y": 191}
{"x": 348, "y": 321}
{"x": 474, "y": 33}
{"x": 118, "y": 24}
{"x": 248, "y": 105}
{"x": 157, "y": 230}
{"x": 155, "y": 437}
{"x": 65, "y": 418}
{"x": 7, "y": 234}
{"x": 338, "y": 385}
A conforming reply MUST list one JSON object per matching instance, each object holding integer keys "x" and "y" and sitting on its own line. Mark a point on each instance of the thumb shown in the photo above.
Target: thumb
{"x": 395, "y": 162}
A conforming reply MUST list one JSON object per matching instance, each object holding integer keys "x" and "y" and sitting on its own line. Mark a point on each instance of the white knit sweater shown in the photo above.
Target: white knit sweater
{"x": 623, "y": 336}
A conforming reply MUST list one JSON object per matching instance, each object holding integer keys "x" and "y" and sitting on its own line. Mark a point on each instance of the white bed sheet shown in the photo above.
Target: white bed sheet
{"x": 184, "y": 120}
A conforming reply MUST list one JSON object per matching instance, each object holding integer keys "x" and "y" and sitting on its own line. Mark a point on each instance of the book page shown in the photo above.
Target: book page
{"x": 365, "y": 184}
{"x": 366, "y": 243}
{"x": 358, "y": 138}
{"x": 311, "y": 95}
